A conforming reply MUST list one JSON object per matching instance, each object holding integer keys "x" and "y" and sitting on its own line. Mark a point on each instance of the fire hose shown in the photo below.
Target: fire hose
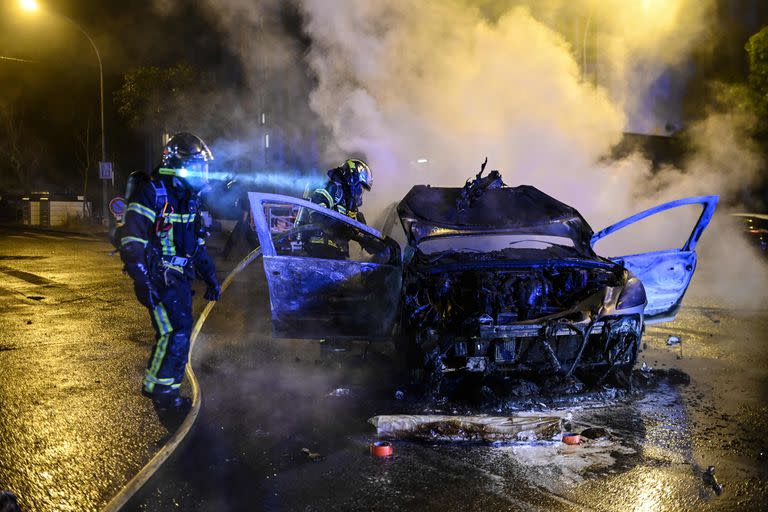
{"x": 143, "y": 476}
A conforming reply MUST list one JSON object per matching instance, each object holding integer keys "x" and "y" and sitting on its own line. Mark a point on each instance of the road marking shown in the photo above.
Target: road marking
{"x": 143, "y": 476}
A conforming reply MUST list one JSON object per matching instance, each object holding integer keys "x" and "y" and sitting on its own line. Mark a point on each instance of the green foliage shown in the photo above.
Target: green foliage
{"x": 757, "y": 50}
{"x": 150, "y": 96}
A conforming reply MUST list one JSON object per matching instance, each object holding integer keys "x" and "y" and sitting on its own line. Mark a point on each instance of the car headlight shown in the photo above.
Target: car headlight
{"x": 633, "y": 294}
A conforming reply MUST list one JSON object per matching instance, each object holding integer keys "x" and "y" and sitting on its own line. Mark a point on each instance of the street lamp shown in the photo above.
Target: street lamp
{"x": 33, "y": 6}
{"x": 29, "y": 5}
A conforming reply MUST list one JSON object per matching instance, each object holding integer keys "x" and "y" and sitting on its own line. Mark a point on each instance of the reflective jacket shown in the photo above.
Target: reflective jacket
{"x": 333, "y": 196}
{"x": 163, "y": 228}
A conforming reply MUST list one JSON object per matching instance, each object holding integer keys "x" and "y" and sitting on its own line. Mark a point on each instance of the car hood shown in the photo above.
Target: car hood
{"x": 431, "y": 212}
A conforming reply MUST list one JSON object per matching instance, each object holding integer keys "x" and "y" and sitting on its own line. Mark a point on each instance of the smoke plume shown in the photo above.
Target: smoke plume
{"x": 545, "y": 89}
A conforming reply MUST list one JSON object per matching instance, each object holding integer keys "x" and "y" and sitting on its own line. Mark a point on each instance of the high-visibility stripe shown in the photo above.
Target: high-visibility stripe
{"x": 201, "y": 241}
{"x": 142, "y": 210}
{"x": 128, "y": 239}
{"x": 165, "y": 329}
{"x": 351, "y": 164}
{"x": 157, "y": 359}
{"x": 166, "y": 242}
{"x": 167, "y": 321}
{"x": 150, "y": 381}
{"x": 156, "y": 380}
{"x": 169, "y": 172}
{"x": 184, "y": 218}
{"x": 161, "y": 318}
{"x": 327, "y": 195}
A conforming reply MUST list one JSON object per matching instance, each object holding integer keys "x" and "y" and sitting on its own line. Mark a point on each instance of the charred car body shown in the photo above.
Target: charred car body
{"x": 500, "y": 281}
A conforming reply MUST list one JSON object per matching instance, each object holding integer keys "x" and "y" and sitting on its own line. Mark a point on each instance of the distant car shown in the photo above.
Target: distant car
{"x": 509, "y": 285}
{"x": 755, "y": 228}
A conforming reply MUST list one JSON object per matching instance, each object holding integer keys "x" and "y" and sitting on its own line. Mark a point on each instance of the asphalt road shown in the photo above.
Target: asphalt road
{"x": 73, "y": 347}
{"x": 265, "y": 401}
{"x": 74, "y": 429}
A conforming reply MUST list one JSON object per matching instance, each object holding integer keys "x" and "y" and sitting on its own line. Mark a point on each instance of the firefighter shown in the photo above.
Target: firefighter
{"x": 162, "y": 244}
{"x": 344, "y": 194}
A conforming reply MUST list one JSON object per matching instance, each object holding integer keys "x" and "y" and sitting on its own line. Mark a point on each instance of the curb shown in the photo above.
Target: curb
{"x": 143, "y": 476}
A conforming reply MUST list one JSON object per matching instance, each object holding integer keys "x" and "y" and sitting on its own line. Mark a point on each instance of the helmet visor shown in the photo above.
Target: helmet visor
{"x": 365, "y": 177}
{"x": 195, "y": 174}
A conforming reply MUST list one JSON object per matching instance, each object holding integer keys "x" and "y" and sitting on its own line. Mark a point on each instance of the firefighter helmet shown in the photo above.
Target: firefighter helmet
{"x": 359, "y": 172}
{"x": 186, "y": 156}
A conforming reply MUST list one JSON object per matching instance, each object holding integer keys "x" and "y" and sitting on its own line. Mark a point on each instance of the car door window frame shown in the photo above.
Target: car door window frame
{"x": 258, "y": 199}
{"x": 709, "y": 203}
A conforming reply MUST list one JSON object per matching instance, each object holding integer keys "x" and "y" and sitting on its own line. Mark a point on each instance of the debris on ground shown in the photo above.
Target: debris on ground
{"x": 711, "y": 480}
{"x": 339, "y": 392}
{"x": 381, "y": 449}
{"x": 524, "y": 388}
{"x": 468, "y": 428}
{"x": 314, "y": 457}
{"x": 595, "y": 433}
{"x": 571, "y": 438}
{"x": 557, "y": 466}
{"x": 673, "y": 340}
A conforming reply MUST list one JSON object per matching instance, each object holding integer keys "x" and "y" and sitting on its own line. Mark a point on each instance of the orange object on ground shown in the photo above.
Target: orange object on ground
{"x": 381, "y": 449}
{"x": 571, "y": 438}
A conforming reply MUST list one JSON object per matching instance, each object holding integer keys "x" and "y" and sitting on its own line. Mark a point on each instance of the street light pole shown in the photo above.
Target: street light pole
{"x": 32, "y": 5}
{"x": 101, "y": 105}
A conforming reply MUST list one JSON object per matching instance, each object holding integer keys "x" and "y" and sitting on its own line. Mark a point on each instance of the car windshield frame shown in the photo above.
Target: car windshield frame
{"x": 509, "y": 241}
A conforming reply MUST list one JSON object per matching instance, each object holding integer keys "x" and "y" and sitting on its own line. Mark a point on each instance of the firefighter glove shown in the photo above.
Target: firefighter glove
{"x": 213, "y": 292}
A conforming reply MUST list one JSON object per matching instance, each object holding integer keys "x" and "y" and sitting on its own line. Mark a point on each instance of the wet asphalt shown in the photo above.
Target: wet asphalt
{"x": 266, "y": 402}
{"x": 73, "y": 427}
{"x": 73, "y": 346}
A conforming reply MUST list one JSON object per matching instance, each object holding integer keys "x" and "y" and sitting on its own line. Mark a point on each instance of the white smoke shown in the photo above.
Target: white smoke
{"x": 453, "y": 81}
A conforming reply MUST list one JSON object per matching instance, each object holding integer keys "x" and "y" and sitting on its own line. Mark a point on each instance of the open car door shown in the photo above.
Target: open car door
{"x": 354, "y": 296}
{"x": 665, "y": 274}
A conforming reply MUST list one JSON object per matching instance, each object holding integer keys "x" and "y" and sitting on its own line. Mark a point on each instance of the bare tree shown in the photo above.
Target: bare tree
{"x": 86, "y": 151}
{"x": 20, "y": 152}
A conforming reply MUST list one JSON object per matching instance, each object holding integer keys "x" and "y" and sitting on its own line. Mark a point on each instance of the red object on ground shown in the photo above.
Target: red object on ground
{"x": 381, "y": 449}
{"x": 571, "y": 438}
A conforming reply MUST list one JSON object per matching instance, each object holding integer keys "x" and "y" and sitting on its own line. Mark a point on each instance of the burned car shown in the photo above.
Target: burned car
{"x": 501, "y": 282}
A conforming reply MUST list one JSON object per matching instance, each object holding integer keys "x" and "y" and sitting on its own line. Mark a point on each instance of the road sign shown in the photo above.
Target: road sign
{"x": 117, "y": 207}
{"x": 105, "y": 170}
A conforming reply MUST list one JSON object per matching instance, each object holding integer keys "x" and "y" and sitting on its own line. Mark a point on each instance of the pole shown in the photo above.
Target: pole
{"x": 584, "y": 47}
{"x": 101, "y": 105}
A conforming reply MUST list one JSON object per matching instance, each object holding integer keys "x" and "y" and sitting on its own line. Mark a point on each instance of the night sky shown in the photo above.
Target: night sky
{"x": 57, "y": 95}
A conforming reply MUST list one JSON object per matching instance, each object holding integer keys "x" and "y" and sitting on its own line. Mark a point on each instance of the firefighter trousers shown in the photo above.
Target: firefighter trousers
{"x": 172, "y": 320}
